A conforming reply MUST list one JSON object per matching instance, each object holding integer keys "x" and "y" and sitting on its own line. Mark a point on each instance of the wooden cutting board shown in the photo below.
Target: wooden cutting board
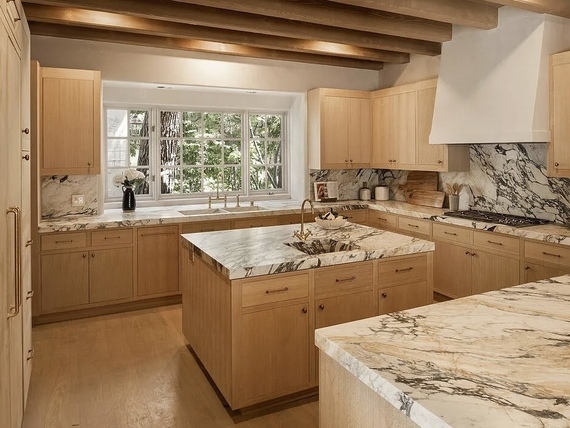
{"x": 427, "y": 198}
{"x": 421, "y": 180}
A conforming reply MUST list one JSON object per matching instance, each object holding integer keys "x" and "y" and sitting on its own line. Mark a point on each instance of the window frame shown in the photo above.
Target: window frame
{"x": 155, "y": 198}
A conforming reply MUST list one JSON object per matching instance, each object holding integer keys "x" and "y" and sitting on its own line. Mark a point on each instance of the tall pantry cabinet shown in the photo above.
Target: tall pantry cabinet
{"x": 15, "y": 227}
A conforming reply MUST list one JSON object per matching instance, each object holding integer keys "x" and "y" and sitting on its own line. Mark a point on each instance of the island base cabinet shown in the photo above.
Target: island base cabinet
{"x": 345, "y": 401}
{"x": 341, "y": 309}
{"x": 274, "y": 353}
{"x": 535, "y": 272}
{"x": 401, "y": 297}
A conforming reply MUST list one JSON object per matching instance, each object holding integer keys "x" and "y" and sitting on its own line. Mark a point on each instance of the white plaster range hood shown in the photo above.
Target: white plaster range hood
{"x": 493, "y": 85}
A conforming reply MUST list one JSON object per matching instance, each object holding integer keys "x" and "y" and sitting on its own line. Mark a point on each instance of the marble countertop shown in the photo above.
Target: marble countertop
{"x": 554, "y": 233}
{"x": 244, "y": 253}
{"x": 499, "y": 359}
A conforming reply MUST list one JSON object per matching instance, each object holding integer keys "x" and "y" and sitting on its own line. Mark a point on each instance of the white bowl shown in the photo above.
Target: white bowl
{"x": 336, "y": 223}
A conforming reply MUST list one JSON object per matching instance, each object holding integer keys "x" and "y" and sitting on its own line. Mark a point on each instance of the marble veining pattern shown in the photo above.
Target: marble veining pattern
{"x": 498, "y": 359}
{"x": 56, "y": 191}
{"x": 262, "y": 251}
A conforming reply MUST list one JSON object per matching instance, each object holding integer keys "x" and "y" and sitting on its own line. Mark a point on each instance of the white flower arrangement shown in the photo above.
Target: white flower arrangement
{"x": 129, "y": 177}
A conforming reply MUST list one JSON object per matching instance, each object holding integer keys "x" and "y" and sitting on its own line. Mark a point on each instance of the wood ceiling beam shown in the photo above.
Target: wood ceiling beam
{"x": 335, "y": 15}
{"x": 110, "y": 21}
{"x": 209, "y": 17}
{"x": 551, "y": 7}
{"x": 457, "y": 12}
{"x": 54, "y": 30}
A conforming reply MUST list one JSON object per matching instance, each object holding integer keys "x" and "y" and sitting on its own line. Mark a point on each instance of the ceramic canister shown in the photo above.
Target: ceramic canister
{"x": 382, "y": 193}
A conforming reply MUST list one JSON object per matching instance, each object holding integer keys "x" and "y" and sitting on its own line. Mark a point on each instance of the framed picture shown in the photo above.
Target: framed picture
{"x": 326, "y": 191}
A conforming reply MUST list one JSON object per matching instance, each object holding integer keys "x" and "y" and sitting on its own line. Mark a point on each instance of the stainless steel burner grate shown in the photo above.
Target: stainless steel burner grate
{"x": 489, "y": 217}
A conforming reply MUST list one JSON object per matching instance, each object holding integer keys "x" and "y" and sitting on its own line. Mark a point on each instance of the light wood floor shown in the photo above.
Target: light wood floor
{"x": 130, "y": 370}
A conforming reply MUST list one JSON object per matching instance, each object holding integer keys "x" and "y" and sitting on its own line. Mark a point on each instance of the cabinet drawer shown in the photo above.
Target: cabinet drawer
{"x": 343, "y": 278}
{"x": 207, "y": 226}
{"x": 549, "y": 253}
{"x": 383, "y": 220}
{"x": 497, "y": 242}
{"x": 402, "y": 271}
{"x": 111, "y": 237}
{"x": 257, "y": 222}
{"x": 444, "y": 232}
{"x": 415, "y": 226}
{"x": 274, "y": 290}
{"x": 62, "y": 241}
{"x": 356, "y": 216}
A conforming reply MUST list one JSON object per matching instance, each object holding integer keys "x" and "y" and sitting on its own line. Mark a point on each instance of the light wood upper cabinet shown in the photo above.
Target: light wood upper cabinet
{"x": 401, "y": 124}
{"x": 339, "y": 128}
{"x": 71, "y": 121}
{"x": 559, "y": 149}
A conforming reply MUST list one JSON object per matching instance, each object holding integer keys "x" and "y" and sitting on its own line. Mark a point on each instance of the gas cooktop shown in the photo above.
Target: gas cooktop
{"x": 489, "y": 217}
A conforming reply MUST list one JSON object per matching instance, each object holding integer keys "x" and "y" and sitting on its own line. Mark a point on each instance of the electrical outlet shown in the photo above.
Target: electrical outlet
{"x": 77, "y": 200}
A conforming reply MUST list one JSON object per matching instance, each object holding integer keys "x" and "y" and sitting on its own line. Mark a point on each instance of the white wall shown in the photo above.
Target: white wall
{"x": 420, "y": 67}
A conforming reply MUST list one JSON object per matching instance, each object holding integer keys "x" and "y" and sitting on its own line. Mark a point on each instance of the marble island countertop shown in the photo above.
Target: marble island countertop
{"x": 554, "y": 233}
{"x": 499, "y": 359}
{"x": 261, "y": 251}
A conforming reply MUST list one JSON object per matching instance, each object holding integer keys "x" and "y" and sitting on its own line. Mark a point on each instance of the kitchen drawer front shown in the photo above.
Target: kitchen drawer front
{"x": 63, "y": 241}
{"x": 206, "y": 226}
{"x": 258, "y": 222}
{"x": 355, "y": 216}
{"x": 402, "y": 271}
{"x": 542, "y": 252}
{"x": 497, "y": 242}
{"x": 383, "y": 220}
{"x": 415, "y": 226}
{"x": 117, "y": 236}
{"x": 274, "y": 290}
{"x": 444, "y": 232}
{"x": 343, "y": 278}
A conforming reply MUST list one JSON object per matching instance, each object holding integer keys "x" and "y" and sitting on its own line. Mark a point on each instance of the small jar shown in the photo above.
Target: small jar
{"x": 364, "y": 193}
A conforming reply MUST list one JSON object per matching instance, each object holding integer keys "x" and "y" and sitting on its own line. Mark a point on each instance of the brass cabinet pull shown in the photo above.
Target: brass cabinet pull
{"x": 352, "y": 278}
{"x": 470, "y": 253}
{"x": 64, "y": 242}
{"x": 495, "y": 243}
{"x": 26, "y": 131}
{"x": 527, "y": 267}
{"x": 30, "y": 294}
{"x": 382, "y": 218}
{"x": 88, "y": 163}
{"x": 322, "y": 307}
{"x": 551, "y": 254}
{"x": 408, "y": 269}
{"x": 29, "y": 242}
{"x": 26, "y": 157}
{"x": 450, "y": 233}
{"x": 112, "y": 237}
{"x": 15, "y": 310}
{"x": 384, "y": 295}
{"x": 31, "y": 353}
{"x": 413, "y": 225}
{"x": 439, "y": 162}
{"x": 158, "y": 233}
{"x": 279, "y": 290}
{"x": 304, "y": 310}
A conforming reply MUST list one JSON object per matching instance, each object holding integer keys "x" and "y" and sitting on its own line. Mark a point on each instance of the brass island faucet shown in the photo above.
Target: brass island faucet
{"x": 302, "y": 235}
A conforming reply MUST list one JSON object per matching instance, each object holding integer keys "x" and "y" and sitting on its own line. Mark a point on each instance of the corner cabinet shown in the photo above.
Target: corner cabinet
{"x": 70, "y": 122}
{"x": 401, "y": 124}
{"x": 339, "y": 128}
{"x": 558, "y": 148}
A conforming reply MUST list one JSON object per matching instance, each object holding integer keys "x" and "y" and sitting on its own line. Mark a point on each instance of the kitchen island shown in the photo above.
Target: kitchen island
{"x": 253, "y": 297}
{"x": 499, "y": 359}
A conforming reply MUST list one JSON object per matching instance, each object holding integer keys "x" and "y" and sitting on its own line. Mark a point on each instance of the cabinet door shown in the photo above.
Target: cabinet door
{"x": 274, "y": 352}
{"x": 334, "y": 131}
{"x": 452, "y": 270}
{"x": 431, "y": 156}
{"x": 403, "y": 139}
{"x": 559, "y": 150}
{"x": 341, "y": 309}
{"x": 383, "y": 154}
{"x": 492, "y": 272}
{"x": 65, "y": 281}
{"x": 535, "y": 272}
{"x": 359, "y": 138}
{"x": 157, "y": 260}
{"x": 110, "y": 274}
{"x": 71, "y": 101}
{"x": 401, "y": 297}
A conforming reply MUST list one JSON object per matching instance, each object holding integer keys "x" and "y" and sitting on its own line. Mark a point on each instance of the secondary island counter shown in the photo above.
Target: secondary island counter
{"x": 253, "y": 297}
{"x": 499, "y": 359}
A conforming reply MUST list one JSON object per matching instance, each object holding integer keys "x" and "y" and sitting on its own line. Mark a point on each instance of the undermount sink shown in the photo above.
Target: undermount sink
{"x": 225, "y": 210}
{"x": 242, "y": 209}
{"x": 204, "y": 211}
{"x": 313, "y": 247}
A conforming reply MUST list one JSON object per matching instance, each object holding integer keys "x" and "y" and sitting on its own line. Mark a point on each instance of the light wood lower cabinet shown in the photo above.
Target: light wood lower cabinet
{"x": 157, "y": 260}
{"x": 65, "y": 280}
{"x": 535, "y": 272}
{"x": 110, "y": 274}
{"x": 493, "y": 271}
{"x": 401, "y": 297}
{"x": 543, "y": 260}
{"x": 255, "y": 335}
{"x": 452, "y": 269}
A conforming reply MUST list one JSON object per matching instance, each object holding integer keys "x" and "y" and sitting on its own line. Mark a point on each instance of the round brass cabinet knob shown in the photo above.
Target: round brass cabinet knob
{"x": 321, "y": 307}
{"x": 556, "y": 164}
{"x": 384, "y": 295}
{"x": 26, "y": 157}
{"x": 26, "y": 131}
{"x": 304, "y": 310}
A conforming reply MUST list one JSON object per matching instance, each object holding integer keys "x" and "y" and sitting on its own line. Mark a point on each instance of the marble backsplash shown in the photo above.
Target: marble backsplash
{"x": 503, "y": 178}
{"x": 56, "y": 192}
